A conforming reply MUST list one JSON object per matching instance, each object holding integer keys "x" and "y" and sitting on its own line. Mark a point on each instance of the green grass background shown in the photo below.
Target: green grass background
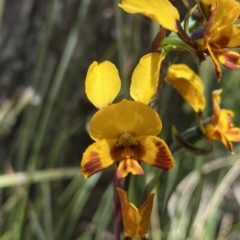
{"x": 45, "y": 50}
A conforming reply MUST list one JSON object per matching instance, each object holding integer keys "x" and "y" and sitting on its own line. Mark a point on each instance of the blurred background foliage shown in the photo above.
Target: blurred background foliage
{"x": 45, "y": 50}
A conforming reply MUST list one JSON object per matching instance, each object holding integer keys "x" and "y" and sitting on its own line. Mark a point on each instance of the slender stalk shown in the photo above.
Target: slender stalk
{"x": 117, "y": 209}
{"x": 126, "y": 183}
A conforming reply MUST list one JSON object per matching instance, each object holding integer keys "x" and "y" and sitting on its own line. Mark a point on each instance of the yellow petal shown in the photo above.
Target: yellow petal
{"x": 145, "y": 210}
{"x": 216, "y": 99}
{"x": 135, "y": 221}
{"x": 223, "y": 13}
{"x": 215, "y": 134}
{"x": 227, "y": 12}
{"x": 216, "y": 96}
{"x": 102, "y": 83}
{"x": 224, "y": 130}
{"x": 212, "y": 133}
{"x": 97, "y": 157}
{"x": 233, "y": 34}
{"x": 130, "y": 214}
{"x": 225, "y": 120}
{"x": 188, "y": 84}
{"x": 161, "y": 11}
{"x": 155, "y": 152}
{"x": 226, "y": 143}
{"x": 145, "y": 78}
{"x": 227, "y": 37}
{"x": 128, "y": 166}
{"x": 127, "y": 116}
{"x": 233, "y": 134}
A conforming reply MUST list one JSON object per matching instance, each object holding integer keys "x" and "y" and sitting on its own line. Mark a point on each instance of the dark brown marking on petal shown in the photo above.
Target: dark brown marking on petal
{"x": 93, "y": 165}
{"x": 231, "y": 60}
{"x": 125, "y": 157}
{"x": 221, "y": 41}
{"x": 116, "y": 152}
{"x": 125, "y": 166}
{"x": 163, "y": 159}
{"x": 139, "y": 151}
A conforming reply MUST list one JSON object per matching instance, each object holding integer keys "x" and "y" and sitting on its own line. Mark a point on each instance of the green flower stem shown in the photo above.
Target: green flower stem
{"x": 191, "y": 135}
{"x": 173, "y": 41}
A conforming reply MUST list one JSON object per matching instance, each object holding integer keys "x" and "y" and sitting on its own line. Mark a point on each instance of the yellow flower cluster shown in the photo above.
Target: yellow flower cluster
{"x": 125, "y": 133}
{"x": 217, "y": 33}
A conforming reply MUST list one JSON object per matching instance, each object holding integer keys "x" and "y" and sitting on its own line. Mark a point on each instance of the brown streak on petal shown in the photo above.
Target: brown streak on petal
{"x": 230, "y": 65}
{"x": 93, "y": 165}
{"x": 221, "y": 41}
{"x": 162, "y": 159}
{"x": 139, "y": 151}
{"x": 116, "y": 152}
{"x": 231, "y": 60}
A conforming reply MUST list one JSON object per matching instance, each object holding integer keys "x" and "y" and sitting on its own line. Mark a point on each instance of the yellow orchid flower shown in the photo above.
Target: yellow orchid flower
{"x": 221, "y": 127}
{"x": 125, "y": 134}
{"x": 135, "y": 221}
{"x": 162, "y": 11}
{"x": 220, "y": 33}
